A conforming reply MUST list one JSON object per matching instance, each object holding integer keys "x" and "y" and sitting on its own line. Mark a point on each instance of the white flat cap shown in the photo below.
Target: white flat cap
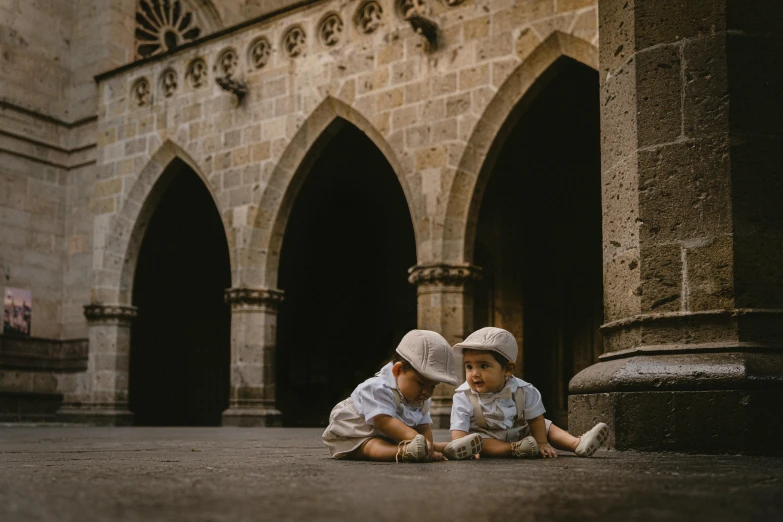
{"x": 430, "y": 355}
{"x": 490, "y": 339}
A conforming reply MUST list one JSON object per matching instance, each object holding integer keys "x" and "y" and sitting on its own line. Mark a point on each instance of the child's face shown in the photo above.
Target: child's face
{"x": 413, "y": 385}
{"x": 483, "y": 372}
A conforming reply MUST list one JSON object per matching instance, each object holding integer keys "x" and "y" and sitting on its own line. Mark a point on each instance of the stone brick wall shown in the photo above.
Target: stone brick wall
{"x": 423, "y": 108}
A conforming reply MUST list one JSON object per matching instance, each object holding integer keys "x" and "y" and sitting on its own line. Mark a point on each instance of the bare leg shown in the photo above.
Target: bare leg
{"x": 376, "y": 449}
{"x": 561, "y": 439}
{"x": 495, "y": 448}
{"x": 439, "y": 446}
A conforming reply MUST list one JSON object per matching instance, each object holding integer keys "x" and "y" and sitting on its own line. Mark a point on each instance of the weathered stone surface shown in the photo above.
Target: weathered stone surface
{"x": 245, "y": 474}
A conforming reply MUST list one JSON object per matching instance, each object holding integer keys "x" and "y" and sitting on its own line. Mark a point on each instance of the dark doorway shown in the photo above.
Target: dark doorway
{"x": 538, "y": 237}
{"x": 348, "y": 244}
{"x": 180, "y": 341}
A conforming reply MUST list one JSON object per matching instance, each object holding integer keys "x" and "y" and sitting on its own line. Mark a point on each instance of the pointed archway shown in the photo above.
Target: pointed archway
{"x": 538, "y": 232}
{"x": 348, "y": 243}
{"x": 180, "y": 353}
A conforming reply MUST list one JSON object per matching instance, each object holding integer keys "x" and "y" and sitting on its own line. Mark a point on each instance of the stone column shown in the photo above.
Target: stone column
{"x": 693, "y": 247}
{"x": 445, "y": 305}
{"x": 253, "y": 340}
{"x": 104, "y": 400}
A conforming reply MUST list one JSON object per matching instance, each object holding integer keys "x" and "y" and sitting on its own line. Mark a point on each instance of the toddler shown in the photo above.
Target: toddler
{"x": 387, "y": 416}
{"x": 507, "y": 412}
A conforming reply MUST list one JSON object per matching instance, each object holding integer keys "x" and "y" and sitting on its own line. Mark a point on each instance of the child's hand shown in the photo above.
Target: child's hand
{"x": 431, "y": 451}
{"x": 546, "y": 450}
{"x": 437, "y": 456}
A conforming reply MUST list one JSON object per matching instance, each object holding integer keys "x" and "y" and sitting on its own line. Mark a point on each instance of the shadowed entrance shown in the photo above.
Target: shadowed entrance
{"x": 343, "y": 266}
{"x": 180, "y": 341}
{"x": 538, "y": 236}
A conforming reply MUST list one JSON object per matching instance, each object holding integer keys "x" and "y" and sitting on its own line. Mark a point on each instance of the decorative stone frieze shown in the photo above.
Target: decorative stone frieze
{"x": 141, "y": 92}
{"x": 452, "y": 3}
{"x": 331, "y": 29}
{"x": 168, "y": 82}
{"x": 197, "y": 73}
{"x": 368, "y": 17}
{"x": 162, "y": 26}
{"x": 99, "y": 313}
{"x": 294, "y": 41}
{"x": 443, "y": 275}
{"x": 259, "y": 53}
{"x": 227, "y": 63}
{"x": 241, "y": 299}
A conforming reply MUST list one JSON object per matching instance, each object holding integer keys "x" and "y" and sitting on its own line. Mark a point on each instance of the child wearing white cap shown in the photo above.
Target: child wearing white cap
{"x": 387, "y": 416}
{"x": 504, "y": 410}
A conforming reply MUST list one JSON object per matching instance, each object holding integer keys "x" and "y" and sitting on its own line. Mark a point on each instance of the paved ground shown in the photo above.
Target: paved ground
{"x": 142, "y": 474}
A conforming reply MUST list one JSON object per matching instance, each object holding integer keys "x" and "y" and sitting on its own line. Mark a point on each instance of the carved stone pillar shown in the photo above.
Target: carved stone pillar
{"x": 445, "y": 305}
{"x": 253, "y": 339}
{"x": 104, "y": 399}
{"x": 692, "y": 176}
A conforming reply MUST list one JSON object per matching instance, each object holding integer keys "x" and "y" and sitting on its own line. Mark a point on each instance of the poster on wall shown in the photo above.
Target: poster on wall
{"x": 17, "y": 311}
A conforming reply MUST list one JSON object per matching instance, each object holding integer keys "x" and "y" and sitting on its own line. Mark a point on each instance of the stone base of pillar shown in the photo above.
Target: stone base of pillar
{"x": 252, "y": 417}
{"x": 698, "y": 403}
{"x": 440, "y": 411}
{"x": 95, "y": 416}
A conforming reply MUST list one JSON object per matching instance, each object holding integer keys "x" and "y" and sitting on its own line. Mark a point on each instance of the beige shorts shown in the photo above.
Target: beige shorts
{"x": 347, "y": 430}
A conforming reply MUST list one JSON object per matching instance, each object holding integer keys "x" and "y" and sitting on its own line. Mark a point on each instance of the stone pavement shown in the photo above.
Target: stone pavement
{"x": 207, "y": 474}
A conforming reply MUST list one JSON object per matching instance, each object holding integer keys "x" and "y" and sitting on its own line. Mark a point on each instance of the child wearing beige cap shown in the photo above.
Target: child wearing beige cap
{"x": 504, "y": 410}
{"x": 387, "y": 416}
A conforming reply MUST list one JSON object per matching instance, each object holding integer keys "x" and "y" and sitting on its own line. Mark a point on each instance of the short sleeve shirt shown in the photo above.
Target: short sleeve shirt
{"x": 499, "y": 408}
{"x": 375, "y": 396}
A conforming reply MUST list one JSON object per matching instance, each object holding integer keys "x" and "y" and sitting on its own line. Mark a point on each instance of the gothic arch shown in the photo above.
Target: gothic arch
{"x": 130, "y": 224}
{"x": 460, "y": 211}
{"x": 260, "y": 265}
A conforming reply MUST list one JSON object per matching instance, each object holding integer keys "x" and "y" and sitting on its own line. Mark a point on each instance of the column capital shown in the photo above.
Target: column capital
{"x": 441, "y": 274}
{"x": 109, "y": 313}
{"x": 253, "y": 298}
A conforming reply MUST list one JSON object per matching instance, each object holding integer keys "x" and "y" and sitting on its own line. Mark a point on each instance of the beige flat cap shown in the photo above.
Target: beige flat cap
{"x": 430, "y": 355}
{"x": 491, "y": 339}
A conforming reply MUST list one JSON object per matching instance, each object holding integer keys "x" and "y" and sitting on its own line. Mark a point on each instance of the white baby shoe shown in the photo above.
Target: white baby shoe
{"x": 464, "y": 447}
{"x": 525, "y": 448}
{"x": 592, "y": 440}
{"x": 414, "y": 450}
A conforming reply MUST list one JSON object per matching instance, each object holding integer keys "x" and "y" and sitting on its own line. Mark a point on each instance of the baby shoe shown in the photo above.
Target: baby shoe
{"x": 414, "y": 450}
{"x": 464, "y": 447}
{"x": 527, "y": 447}
{"x": 592, "y": 440}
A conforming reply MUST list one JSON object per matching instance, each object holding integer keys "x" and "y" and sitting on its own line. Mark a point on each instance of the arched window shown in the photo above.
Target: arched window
{"x": 163, "y": 25}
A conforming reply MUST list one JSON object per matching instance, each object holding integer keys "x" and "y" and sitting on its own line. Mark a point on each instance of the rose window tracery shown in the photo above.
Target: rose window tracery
{"x": 227, "y": 63}
{"x": 168, "y": 82}
{"x": 368, "y": 17}
{"x": 163, "y": 25}
{"x": 294, "y": 41}
{"x": 260, "y": 51}
{"x": 331, "y": 29}
{"x": 141, "y": 92}
{"x": 197, "y": 73}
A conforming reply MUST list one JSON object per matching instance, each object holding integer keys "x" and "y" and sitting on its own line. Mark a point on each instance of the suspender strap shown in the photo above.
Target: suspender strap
{"x": 519, "y": 400}
{"x": 478, "y": 415}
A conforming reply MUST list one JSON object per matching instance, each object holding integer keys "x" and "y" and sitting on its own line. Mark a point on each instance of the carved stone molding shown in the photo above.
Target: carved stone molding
{"x": 368, "y": 17}
{"x": 331, "y": 29}
{"x": 197, "y": 73}
{"x": 452, "y": 3}
{"x": 141, "y": 92}
{"x": 260, "y": 50}
{"x": 227, "y": 63}
{"x": 168, "y": 82}
{"x": 253, "y": 298}
{"x": 443, "y": 275}
{"x": 410, "y": 8}
{"x": 98, "y": 313}
{"x": 294, "y": 41}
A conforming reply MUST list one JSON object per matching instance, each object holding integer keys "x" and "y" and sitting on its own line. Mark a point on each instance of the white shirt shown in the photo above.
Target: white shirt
{"x": 499, "y": 408}
{"x": 375, "y": 396}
